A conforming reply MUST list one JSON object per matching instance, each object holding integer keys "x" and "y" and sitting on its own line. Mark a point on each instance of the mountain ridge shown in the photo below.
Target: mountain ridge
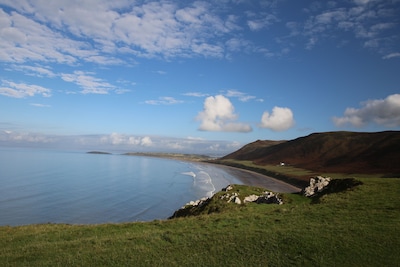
{"x": 341, "y": 151}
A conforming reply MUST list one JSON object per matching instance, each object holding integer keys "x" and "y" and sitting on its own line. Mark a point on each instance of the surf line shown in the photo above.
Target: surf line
{"x": 190, "y": 174}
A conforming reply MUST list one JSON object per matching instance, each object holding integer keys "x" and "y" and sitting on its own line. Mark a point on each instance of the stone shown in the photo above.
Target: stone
{"x": 317, "y": 185}
{"x": 228, "y": 188}
{"x": 266, "y": 198}
{"x": 237, "y": 200}
{"x": 251, "y": 198}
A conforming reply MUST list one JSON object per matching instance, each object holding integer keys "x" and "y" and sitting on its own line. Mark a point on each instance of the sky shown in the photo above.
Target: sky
{"x": 203, "y": 77}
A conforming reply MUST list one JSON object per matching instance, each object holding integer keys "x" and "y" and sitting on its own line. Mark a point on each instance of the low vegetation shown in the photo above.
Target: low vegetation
{"x": 356, "y": 227}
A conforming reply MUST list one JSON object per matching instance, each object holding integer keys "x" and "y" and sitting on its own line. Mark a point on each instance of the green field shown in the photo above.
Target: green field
{"x": 357, "y": 227}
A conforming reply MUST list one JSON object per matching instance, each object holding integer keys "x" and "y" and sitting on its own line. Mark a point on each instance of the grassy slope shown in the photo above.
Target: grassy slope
{"x": 358, "y": 227}
{"x": 338, "y": 152}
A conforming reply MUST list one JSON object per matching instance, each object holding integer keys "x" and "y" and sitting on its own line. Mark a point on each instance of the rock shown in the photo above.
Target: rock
{"x": 317, "y": 185}
{"x": 237, "y": 200}
{"x": 233, "y": 197}
{"x": 228, "y": 188}
{"x": 251, "y": 198}
{"x": 266, "y": 198}
{"x": 197, "y": 203}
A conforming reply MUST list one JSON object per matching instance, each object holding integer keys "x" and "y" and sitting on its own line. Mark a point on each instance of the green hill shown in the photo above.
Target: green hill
{"x": 332, "y": 152}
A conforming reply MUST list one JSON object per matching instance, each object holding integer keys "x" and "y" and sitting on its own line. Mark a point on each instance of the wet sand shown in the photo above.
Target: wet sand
{"x": 256, "y": 179}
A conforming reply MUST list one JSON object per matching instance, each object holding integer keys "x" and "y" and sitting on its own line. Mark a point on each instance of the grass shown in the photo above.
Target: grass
{"x": 357, "y": 227}
{"x": 291, "y": 174}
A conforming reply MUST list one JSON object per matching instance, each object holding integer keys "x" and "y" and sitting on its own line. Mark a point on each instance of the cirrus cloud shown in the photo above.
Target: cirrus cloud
{"x": 280, "y": 119}
{"x": 384, "y": 112}
{"x": 218, "y": 115}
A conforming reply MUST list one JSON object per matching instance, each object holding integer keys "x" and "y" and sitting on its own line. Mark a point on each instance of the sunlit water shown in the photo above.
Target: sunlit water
{"x": 78, "y": 188}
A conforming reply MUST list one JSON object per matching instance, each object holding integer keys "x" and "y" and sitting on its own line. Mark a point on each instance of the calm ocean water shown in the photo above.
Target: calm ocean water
{"x": 78, "y": 188}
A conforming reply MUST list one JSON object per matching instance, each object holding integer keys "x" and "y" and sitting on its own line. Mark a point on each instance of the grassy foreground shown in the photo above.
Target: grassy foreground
{"x": 358, "y": 227}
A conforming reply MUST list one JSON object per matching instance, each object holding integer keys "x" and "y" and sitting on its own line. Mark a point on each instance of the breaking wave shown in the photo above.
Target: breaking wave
{"x": 190, "y": 174}
{"x": 203, "y": 182}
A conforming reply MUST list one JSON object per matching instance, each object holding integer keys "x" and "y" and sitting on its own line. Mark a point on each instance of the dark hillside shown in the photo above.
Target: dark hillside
{"x": 345, "y": 152}
{"x": 253, "y": 150}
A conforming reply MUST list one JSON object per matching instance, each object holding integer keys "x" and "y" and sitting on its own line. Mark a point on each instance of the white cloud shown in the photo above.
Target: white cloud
{"x": 96, "y": 31}
{"x": 195, "y": 94}
{"x": 105, "y": 32}
{"x": 384, "y": 112}
{"x": 102, "y": 31}
{"x": 12, "y": 137}
{"x": 240, "y": 95}
{"x": 392, "y": 55}
{"x": 23, "y": 39}
{"x": 219, "y": 115}
{"x": 40, "y": 105}
{"x": 21, "y": 90}
{"x": 260, "y": 23}
{"x": 146, "y": 141}
{"x": 117, "y": 139}
{"x": 280, "y": 119}
{"x": 118, "y": 143}
{"x": 89, "y": 83}
{"x": 165, "y": 100}
{"x": 371, "y": 21}
{"x": 39, "y": 71}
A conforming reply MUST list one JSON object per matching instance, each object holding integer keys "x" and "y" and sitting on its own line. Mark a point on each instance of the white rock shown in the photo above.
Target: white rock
{"x": 250, "y": 198}
{"x": 237, "y": 200}
{"x": 317, "y": 184}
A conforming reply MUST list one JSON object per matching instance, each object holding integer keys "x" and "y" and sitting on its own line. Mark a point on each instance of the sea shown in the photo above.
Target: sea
{"x": 47, "y": 186}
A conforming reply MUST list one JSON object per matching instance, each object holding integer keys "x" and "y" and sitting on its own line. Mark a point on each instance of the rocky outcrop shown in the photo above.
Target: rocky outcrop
{"x": 317, "y": 185}
{"x": 227, "y": 195}
{"x": 265, "y": 198}
{"x": 197, "y": 203}
{"x": 320, "y": 186}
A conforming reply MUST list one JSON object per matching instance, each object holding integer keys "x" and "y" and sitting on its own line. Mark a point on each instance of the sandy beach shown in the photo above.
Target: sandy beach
{"x": 247, "y": 177}
{"x": 256, "y": 179}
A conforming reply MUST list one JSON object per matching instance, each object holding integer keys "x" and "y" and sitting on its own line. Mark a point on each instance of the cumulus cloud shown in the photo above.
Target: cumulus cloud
{"x": 219, "y": 115}
{"x": 21, "y": 90}
{"x": 384, "y": 112}
{"x": 280, "y": 119}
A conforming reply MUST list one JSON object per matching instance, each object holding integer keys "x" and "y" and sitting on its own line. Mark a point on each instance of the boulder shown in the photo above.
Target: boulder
{"x": 317, "y": 185}
{"x": 251, "y": 198}
{"x": 237, "y": 200}
{"x": 228, "y": 188}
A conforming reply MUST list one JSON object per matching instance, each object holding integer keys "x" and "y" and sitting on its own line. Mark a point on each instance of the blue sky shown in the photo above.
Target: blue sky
{"x": 195, "y": 76}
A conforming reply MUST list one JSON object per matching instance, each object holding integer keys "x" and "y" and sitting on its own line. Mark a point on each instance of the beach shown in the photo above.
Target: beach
{"x": 256, "y": 179}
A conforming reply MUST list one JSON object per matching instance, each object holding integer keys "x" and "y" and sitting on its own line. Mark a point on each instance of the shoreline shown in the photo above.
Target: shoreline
{"x": 252, "y": 178}
{"x": 247, "y": 177}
